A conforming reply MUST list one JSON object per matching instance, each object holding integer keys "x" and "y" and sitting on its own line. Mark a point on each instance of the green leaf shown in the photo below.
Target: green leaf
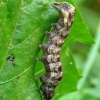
{"x": 69, "y": 96}
{"x": 8, "y": 14}
{"x": 23, "y": 24}
{"x": 28, "y": 21}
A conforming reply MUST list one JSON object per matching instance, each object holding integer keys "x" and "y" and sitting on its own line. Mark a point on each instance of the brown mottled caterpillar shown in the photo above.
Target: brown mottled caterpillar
{"x": 52, "y": 47}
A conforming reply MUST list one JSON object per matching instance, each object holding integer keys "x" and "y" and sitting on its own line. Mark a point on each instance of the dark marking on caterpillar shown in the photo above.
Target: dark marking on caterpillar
{"x": 52, "y": 47}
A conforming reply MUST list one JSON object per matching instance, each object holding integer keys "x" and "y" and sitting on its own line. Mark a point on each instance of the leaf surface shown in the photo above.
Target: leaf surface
{"x": 23, "y": 24}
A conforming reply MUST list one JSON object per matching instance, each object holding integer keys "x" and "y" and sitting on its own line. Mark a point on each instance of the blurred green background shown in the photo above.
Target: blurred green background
{"x": 90, "y": 10}
{"x": 87, "y": 57}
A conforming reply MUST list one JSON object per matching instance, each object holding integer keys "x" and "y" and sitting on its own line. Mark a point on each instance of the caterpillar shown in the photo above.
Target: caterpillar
{"x": 51, "y": 49}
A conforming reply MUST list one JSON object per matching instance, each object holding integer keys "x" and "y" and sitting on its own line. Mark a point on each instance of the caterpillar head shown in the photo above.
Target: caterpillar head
{"x": 66, "y": 10}
{"x": 64, "y": 6}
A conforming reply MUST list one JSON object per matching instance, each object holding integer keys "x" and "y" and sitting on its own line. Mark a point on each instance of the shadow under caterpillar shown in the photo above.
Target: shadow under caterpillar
{"x": 52, "y": 47}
